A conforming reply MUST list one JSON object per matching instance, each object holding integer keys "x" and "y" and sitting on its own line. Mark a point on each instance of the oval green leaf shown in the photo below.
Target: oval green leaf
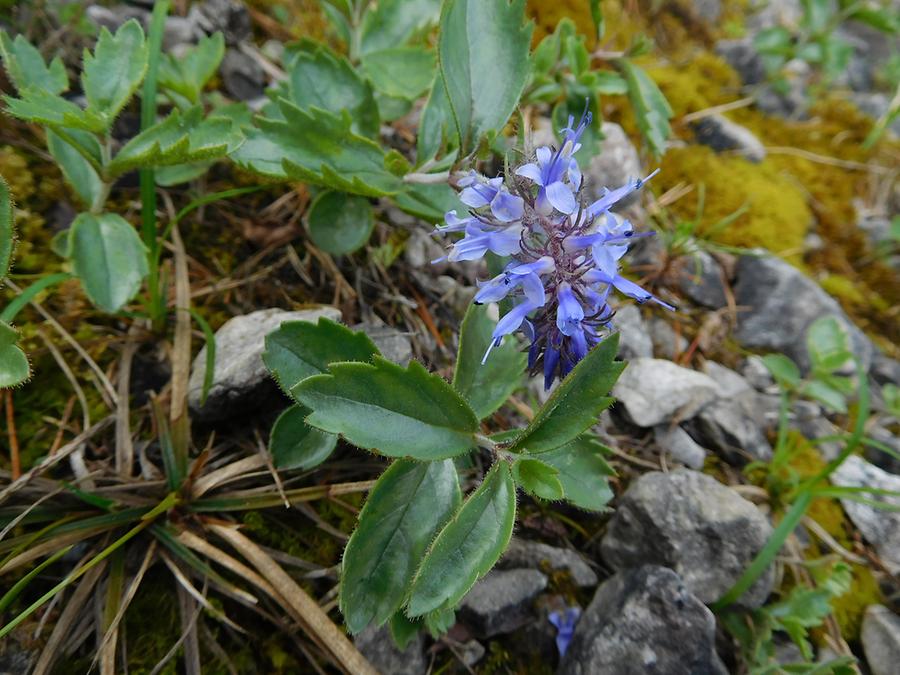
{"x": 109, "y": 258}
{"x": 296, "y": 445}
{"x": 468, "y": 546}
{"x": 583, "y": 472}
{"x": 538, "y": 479}
{"x": 340, "y": 223}
{"x": 14, "y": 368}
{"x": 405, "y": 509}
{"x": 399, "y": 412}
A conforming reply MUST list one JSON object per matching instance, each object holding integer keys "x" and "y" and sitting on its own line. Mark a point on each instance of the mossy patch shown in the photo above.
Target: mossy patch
{"x": 776, "y": 216}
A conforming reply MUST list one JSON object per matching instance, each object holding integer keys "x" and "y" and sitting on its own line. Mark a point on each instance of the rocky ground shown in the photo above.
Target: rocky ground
{"x": 697, "y": 412}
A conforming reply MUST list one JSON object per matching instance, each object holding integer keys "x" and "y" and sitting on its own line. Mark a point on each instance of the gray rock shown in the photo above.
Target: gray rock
{"x": 879, "y": 458}
{"x": 653, "y": 391}
{"x": 524, "y": 553}
{"x": 792, "y": 101}
{"x": 502, "y": 601}
{"x": 393, "y": 345}
{"x": 243, "y": 78}
{"x": 180, "y": 31}
{"x": 377, "y": 645}
{"x": 768, "y": 14}
{"x": 239, "y": 369}
{"x": 113, "y": 17}
{"x": 667, "y": 343}
{"x": 720, "y": 133}
{"x": 616, "y": 163}
{"x": 14, "y": 660}
{"x": 885, "y": 370}
{"x": 634, "y": 340}
{"x": 881, "y": 639}
{"x": 690, "y": 522}
{"x": 755, "y": 372}
{"x": 700, "y": 278}
{"x": 644, "y": 622}
{"x": 227, "y": 16}
{"x": 709, "y": 10}
{"x": 880, "y": 527}
{"x": 731, "y": 424}
{"x": 680, "y": 446}
{"x": 421, "y": 248}
{"x": 781, "y": 304}
{"x": 743, "y": 57}
{"x": 470, "y": 652}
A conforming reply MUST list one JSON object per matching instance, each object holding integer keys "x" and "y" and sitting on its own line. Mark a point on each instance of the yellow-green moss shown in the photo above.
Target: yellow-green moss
{"x": 776, "y": 218}
{"x": 851, "y": 606}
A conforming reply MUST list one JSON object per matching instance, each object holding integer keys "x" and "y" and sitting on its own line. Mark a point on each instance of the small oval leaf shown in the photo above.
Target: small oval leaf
{"x": 538, "y": 479}
{"x": 296, "y": 445}
{"x": 340, "y": 223}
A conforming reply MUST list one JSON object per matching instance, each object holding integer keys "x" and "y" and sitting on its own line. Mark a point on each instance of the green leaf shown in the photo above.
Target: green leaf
{"x": 597, "y": 16}
{"x": 77, "y": 170}
{"x": 609, "y": 83}
{"x": 408, "y": 505}
{"x": 392, "y": 23}
{"x": 177, "y": 174}
{"x": 403, "y": 629}
{"x": 483, "y": 54}
{"x": 317, "y": 147}
{"x": 468, "y": 546}
{"x": 114, "y": 71}
{"x": 340, "y": 223}
{"x": 429, "y": 201}
{"x": 383, "y": 407}
{"x": 829, "y": 344}
{"x": 883, "y": 19}
{"x": 14, "y": 368}
{"x": 783, "y": 369}
{"x": 828, "y": 396}
{"x": 300, "y": 349}
{"x": 485, "y": 386}
{"x": 440, "y": 621}
{"x": 576, "y": 403}
{"x": 188, "y": 73}
{"x": 405, "y": 72}
{"x": 26, "y": 68}
{"x": 538, "y": 479}
{"x": 37, "y": 105}
{"x": 295, "y": 445}
{"x": 435, "y": 122}
{"x": 652, "y": 110}
{"x": 320, "y": 78}
{"x": 583, "y": 472}
{"x": 109, "y": 258}
{"x": 179, "y": 138}
{"x": 7, "y": 229}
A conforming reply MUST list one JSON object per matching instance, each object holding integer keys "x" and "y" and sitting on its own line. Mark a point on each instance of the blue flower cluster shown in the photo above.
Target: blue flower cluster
{"x": 565, "y": 253}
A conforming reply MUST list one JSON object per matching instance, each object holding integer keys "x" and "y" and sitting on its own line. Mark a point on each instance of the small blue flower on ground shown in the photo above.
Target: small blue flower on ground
{"x": 565, "y": 623}
{"x": 565, "y": 252}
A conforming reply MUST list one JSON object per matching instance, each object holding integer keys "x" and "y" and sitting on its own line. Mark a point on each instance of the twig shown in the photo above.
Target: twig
{"x": 716, "y": 109}
{"x": 825, "y": 159}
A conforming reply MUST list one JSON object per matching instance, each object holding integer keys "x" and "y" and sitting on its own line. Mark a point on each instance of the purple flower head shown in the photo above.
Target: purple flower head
{"x": 565, "y": 257}
{"x": 565, "y": 623}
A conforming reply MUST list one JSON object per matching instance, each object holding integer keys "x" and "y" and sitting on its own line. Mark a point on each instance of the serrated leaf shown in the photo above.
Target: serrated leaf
{"x": 582, "y": 473}
{"x": 37, "y": 105}
{"x": 177, "y": 174}
{"x": 483, "y": 55}
{"x": 407, "y": 506}
{"x": 109, "y": 258}
{"x": 651, "y": 109}
{"x": 403, "y": 629}
{"x": 440, "y": 621}
{"x": 485, "y": 386}
{"x": 468, "y": 546}
{"x": 429, "y": 201}
{"x": 576, "y": 403}
{"x": 7, "y": 229}
{"x": 538, "y": 479}
{"x": 340, "y": 223}
{"x": 320, "y": 78}
{"x": 179, "y": 138}
{"x": 404, "y": 72}
{"x": 317, "y": 147}
{"x": 383, "y": 407}
{"x": 113, "y": 72}
{"x": 294, "y": 444}
{"x": 26, "y": 67}
{"x": 14, "y": 368}
{"x": 392, "y": 23}
{"x": 188, "y": 73}
{"x": 77, "y": 170}
{"x": 300, "y": 349}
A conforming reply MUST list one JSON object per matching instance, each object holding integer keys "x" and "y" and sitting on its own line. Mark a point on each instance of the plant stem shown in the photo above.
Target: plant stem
{"x": 156, "y": 308}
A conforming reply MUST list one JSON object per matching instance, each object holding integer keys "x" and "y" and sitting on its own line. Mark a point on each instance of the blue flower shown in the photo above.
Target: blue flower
{"x": 479, "y": 241}
{"x": 610, "y": 197}
{"x": 509, "y": 324}
{"x": 504, "y": 206}
{"x": 526, "y": 275}
{"x": 565, "y": 623}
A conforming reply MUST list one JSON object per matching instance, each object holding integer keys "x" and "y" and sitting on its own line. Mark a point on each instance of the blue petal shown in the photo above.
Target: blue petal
{"x": 551, "y": 361}
{"x": 560, "y": 195}
{"x": 531, "y": 171}
{"x": 507, "y": 207}
{"x": 534, "y": 290}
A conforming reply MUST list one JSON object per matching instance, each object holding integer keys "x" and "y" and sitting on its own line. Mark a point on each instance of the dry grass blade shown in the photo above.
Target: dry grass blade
{"x": 31, "y": 506}
{"x": 228, "y": 472}
{"x": 197, "y": 595}
{"x": 313, "y": 619}
{"x": 66, "y": 620}
{"x": 188, "y": 637}
{"x": 181, "y": 352}
{"x": 53, "y": 460}
{"x": 49, "y": 547}
{"x": 124, "y": 444}
{"x": 217, "y": 555}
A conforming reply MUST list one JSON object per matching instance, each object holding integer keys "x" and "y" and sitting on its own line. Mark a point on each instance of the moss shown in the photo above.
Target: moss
{"x": 547, "y": 13}
{"x": 776, "y": 216}
{"x": 851, "y": 606}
